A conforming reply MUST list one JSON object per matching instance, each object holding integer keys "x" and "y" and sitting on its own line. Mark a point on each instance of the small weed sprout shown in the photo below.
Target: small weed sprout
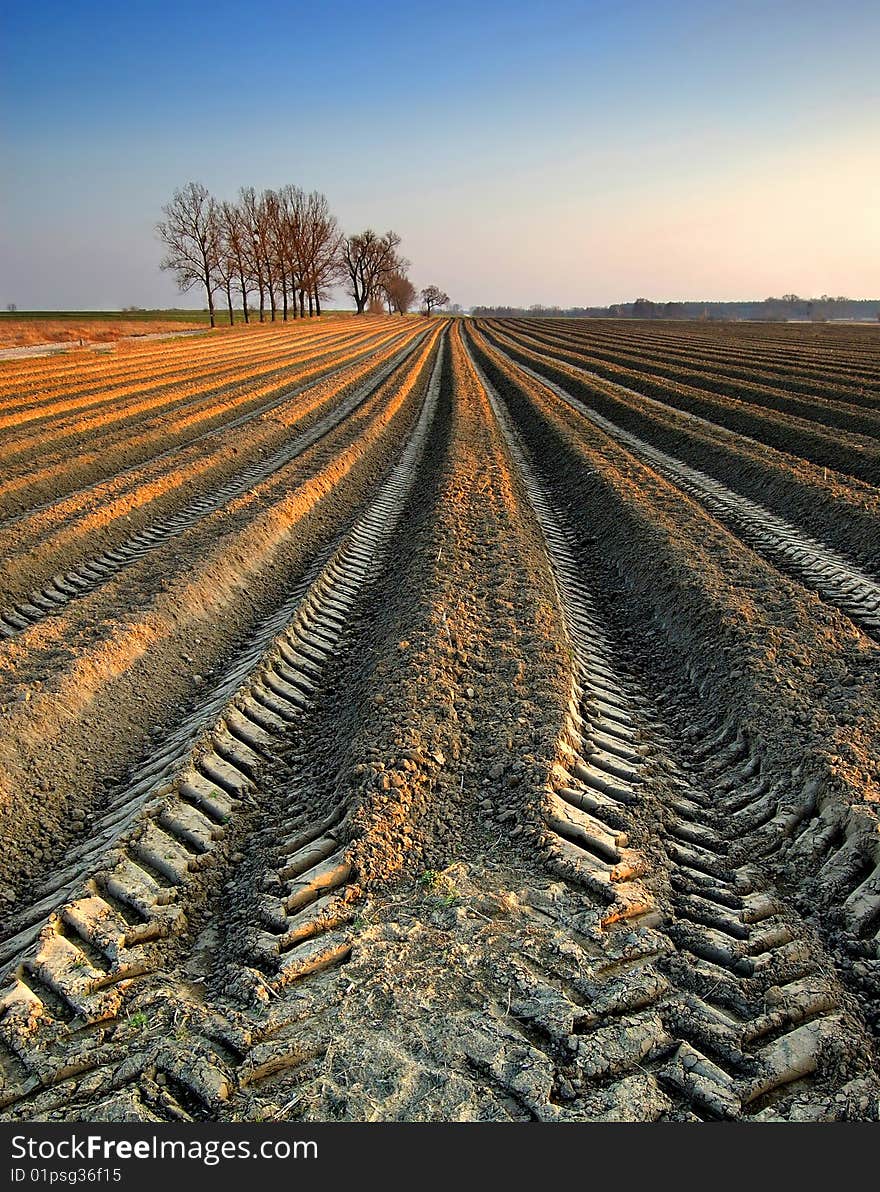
{"x": 440, "y": 886}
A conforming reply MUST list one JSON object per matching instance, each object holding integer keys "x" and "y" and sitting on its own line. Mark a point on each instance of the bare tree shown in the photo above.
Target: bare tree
{"x": 356, "y": 254}
{"x": 224, "y": 277}
{"x": 433, "y": 296}
{"x": 265, "y": 247}
{"x": 292, "y": 242}
{"x": 368, "y": 261}
{"x": 234, "y": 235}
{"x": 322, "y": 263}
{"x": 400, "y": 293}
{"x": 190, "y": 232}
{"x": 301, "y": 235}
{"x": 276, "y": 242}
{"x": 277, "y": 217}
{"x": 256, "y": 273}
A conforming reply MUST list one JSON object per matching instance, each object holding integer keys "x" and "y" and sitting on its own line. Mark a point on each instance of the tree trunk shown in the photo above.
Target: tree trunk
{"x": 210, "y": 303}
{"x": 311, "y": 307}
{"x": 244, "y": 304}
{"x": 229, "y": 300}
{"x": 284, "y": 295}
{"x": 262, "y": 304}
{"x": 293, "y": 293}
{"x": 317, "y": 303}
{"x": 302, "y": 304}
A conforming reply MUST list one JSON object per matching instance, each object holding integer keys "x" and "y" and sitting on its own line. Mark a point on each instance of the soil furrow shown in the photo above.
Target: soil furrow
{"x": 727, "y": 936}
{"x": 82, "y": 688}
{"x": 156, "y": 438}
{"x": 822, "y": 385}
{"x": 790, "y": 674}
{"x": 90, "y": 573}
{"x": 134, "y": 384}
{"x": 853, "y": 356}
{"x": 463, "y": 736}
{"x": 830, "y": 409}
{"x": 851, "y": 454}
{"x": 163, "y": 842}
{"x": 835, "y": 578}
{"x": 840, "y": 511}
{"x": 181, "y": 400}
{"x": 194, "y": 461}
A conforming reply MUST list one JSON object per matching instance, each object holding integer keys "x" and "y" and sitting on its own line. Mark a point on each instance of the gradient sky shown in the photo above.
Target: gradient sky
{"x": 556, "y": 152}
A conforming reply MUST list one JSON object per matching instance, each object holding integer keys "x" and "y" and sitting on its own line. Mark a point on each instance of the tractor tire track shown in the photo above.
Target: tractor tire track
{"x": 826, "y": 571}
{"x": 179, "y": 432}
{"x": 163, "y": 834}
{"x": 86, "y": 576}
{"x": 690, "y": 1012}
{"x": 853, "y": 455}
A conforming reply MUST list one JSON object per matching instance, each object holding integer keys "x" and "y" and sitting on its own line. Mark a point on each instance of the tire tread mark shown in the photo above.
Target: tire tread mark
{"x": 50, "y": 980}
{"x": 89, "y": 575}
{"x": 721, "y": 1062}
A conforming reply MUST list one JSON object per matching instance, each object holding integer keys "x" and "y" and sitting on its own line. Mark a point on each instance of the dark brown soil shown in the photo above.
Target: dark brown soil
{"x": 463, "y": 769}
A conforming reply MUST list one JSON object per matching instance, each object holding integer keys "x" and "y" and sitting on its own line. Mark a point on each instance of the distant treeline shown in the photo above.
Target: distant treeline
{"x": 789, "y": 306}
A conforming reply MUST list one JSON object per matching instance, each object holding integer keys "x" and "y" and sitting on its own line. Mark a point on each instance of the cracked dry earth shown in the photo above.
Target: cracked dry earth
{"x": 442, "y": 721}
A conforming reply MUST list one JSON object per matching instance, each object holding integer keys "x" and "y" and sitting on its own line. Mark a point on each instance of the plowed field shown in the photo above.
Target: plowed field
{"x": 442, "y": 720}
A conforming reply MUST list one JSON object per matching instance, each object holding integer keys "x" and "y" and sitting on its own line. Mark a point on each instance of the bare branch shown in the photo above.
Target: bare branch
{"x": 190, "y": 233}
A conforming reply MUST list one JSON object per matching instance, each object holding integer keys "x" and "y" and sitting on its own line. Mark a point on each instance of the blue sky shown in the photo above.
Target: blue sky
{"x": 562, "y": 152}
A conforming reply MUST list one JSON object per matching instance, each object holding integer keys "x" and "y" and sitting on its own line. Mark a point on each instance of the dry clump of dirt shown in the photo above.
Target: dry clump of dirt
{"x": 427, "y": 1022}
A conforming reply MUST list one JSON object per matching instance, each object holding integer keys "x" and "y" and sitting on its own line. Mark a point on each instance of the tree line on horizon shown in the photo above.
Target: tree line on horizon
{"x": 284, "y": 247}
{"x": 789, "y": 306}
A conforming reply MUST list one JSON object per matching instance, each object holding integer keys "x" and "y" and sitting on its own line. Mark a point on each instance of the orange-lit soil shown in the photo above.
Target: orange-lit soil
{"x": 21, "y": 333}
{"x": 411, "y": 720}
